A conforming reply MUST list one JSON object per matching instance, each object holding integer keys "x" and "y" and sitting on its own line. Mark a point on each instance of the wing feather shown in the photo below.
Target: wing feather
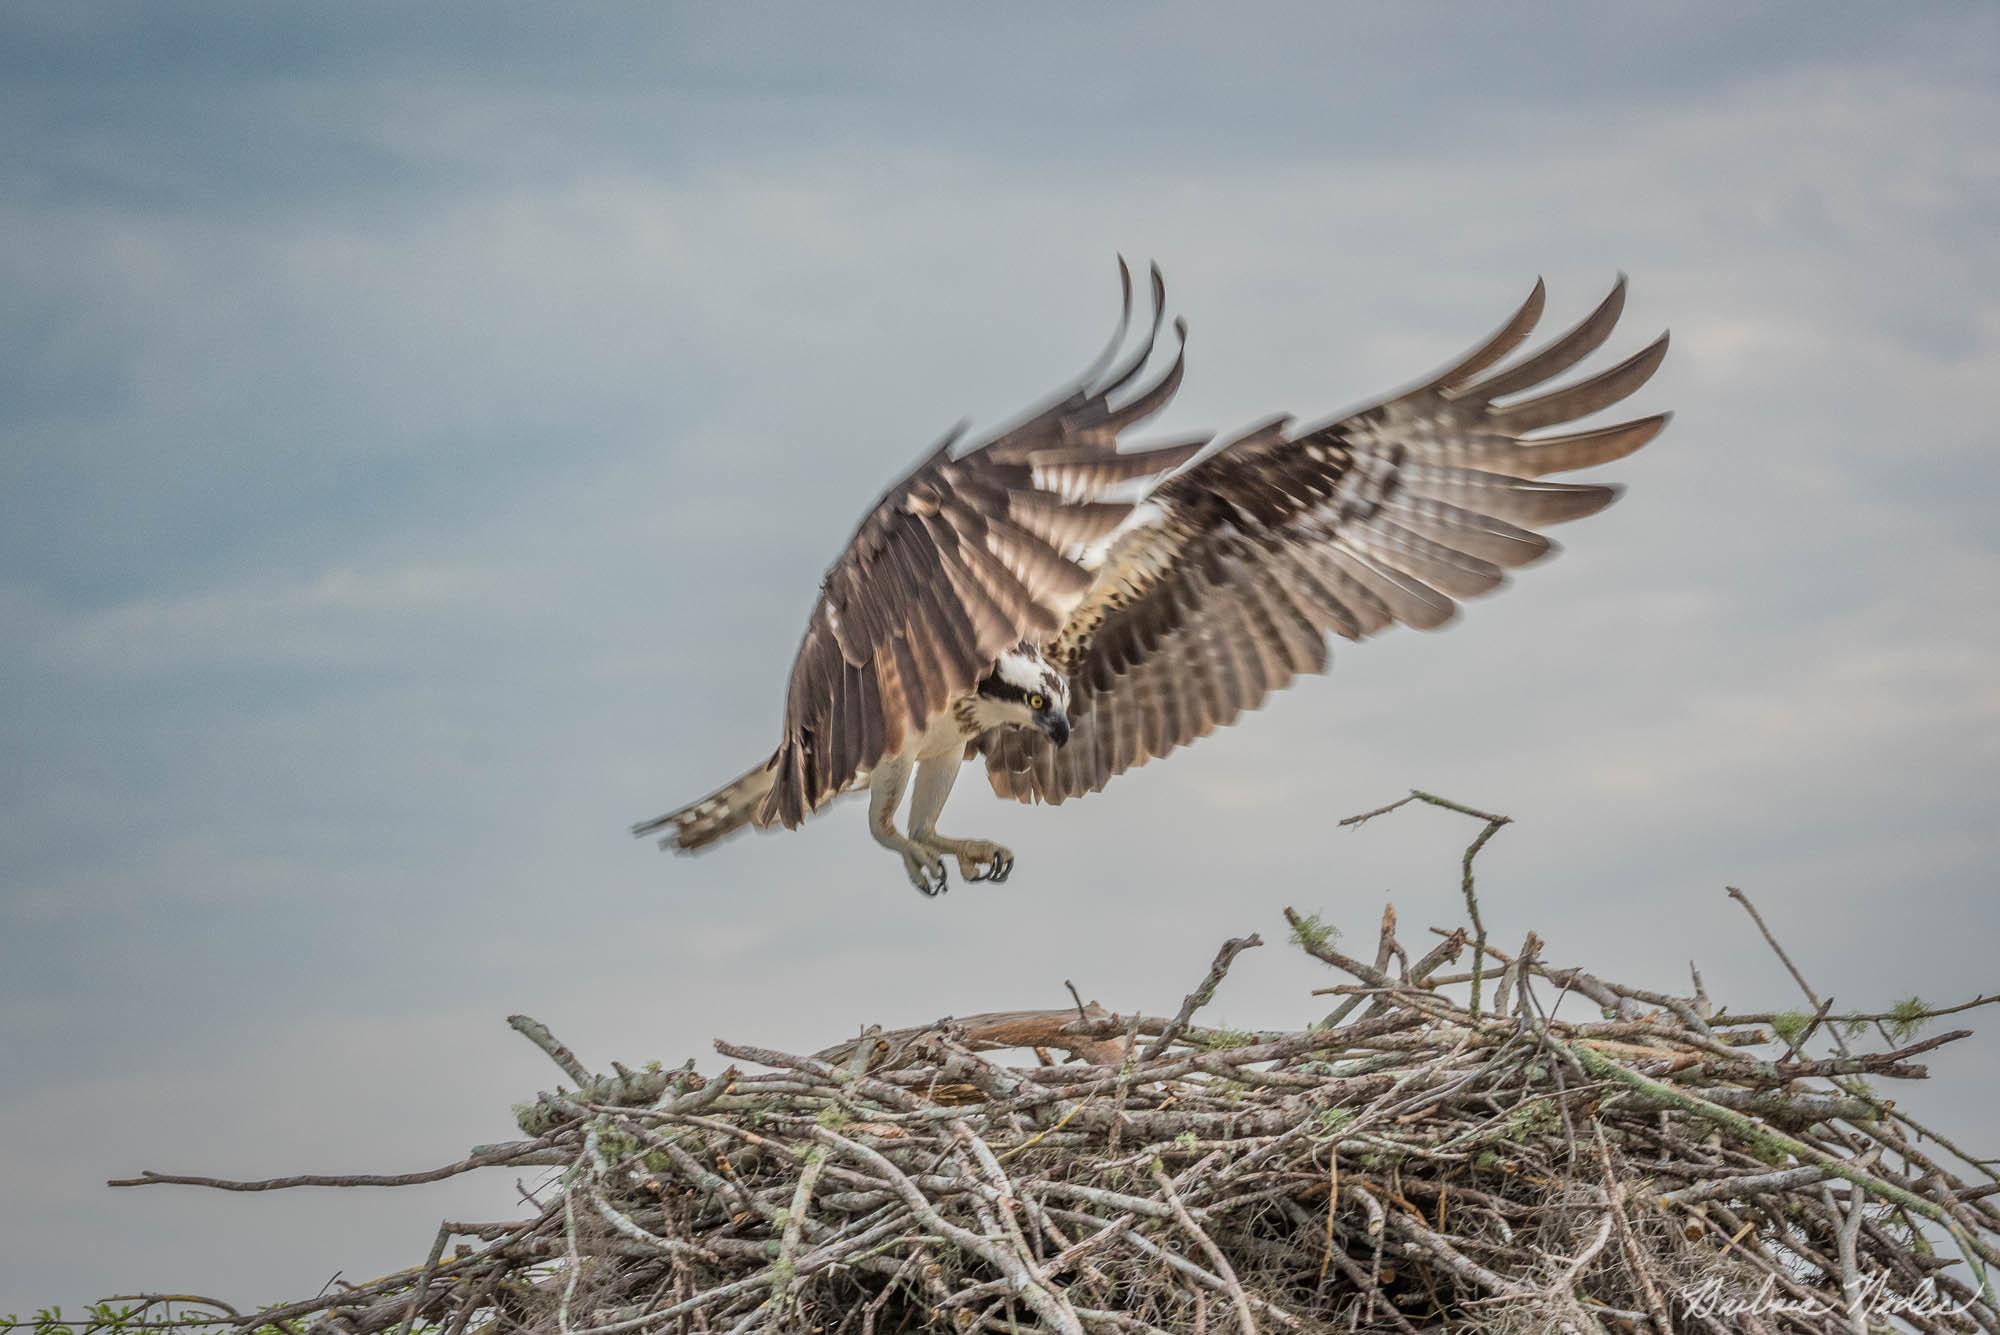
{"x": 1505, "y": 497}
{"x": 1080, "y": 472}
{"x": 1503, "y": 340}
{"x": 1586, "y": 337}
{"x": 1070, "y": 527}
{"x": 1444, "y": 568}
{"x": 1468, "y": 531}
{"x": 1091, "y": 414}
{"x": 1406, "y": 598}
{"x": 1303, "y": 645}
{"x": 1586, "y": 396}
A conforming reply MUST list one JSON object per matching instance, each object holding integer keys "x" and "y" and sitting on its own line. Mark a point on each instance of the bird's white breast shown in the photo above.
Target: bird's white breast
{"x": 944, "y": 735}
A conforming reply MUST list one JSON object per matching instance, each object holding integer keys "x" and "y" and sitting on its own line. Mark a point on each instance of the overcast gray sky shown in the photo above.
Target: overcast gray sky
{"x": 422, "y": 430}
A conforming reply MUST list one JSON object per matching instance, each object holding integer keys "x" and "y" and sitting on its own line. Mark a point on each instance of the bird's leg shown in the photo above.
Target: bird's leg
{"x": 885, "y": 794}
{"x": 978, "y": 859}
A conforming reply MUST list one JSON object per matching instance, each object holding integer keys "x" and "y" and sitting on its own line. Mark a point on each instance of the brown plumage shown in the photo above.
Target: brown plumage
{"x": 1386, "y": 516}
{"x": 1156, "y": 621}
{"x": 963, "y": 557}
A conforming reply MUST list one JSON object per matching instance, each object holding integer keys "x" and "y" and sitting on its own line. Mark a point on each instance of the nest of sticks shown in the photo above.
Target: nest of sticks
{"x": 1474, "y": 1139}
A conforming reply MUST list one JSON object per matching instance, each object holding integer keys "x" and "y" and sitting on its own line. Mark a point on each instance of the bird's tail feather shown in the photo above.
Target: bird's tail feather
{"x": 720, "y": 814}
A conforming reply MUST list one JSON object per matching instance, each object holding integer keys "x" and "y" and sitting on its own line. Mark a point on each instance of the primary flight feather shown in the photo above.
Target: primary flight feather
{"x": 1068, "y": 609}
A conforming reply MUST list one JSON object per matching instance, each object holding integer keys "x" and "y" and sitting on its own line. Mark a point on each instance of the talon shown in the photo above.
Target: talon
{"x": 981, "y": 861}
{"x": 926, "y": 872}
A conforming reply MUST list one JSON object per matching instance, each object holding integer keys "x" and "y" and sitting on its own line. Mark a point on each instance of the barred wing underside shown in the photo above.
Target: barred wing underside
{"x": 1242, "y": 564}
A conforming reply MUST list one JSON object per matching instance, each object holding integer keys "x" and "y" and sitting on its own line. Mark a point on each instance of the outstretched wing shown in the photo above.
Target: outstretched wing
{"x": 960, "y": 560}
{"x": 1242, "y": 563}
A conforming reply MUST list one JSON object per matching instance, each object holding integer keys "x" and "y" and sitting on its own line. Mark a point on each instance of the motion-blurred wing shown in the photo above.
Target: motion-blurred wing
{"x": 960, "y": 560}
{"x": 1224, "y": 586}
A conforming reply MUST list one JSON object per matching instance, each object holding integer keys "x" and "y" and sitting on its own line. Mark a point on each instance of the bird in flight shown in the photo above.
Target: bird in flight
{"x": 1066, "y": 609}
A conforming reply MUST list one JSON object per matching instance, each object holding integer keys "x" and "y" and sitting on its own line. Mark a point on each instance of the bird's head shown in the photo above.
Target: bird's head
{"x": 1024, "y": 691}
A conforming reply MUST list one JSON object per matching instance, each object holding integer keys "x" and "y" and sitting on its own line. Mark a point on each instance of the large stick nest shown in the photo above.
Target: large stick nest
{"x": 1473, "y": 1139}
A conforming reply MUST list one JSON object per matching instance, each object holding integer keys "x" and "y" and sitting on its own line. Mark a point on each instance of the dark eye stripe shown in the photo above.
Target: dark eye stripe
{"x": 998, "y": 688}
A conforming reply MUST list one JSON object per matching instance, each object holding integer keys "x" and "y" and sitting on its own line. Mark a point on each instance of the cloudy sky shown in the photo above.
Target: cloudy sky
{"x": 421, "y": 432}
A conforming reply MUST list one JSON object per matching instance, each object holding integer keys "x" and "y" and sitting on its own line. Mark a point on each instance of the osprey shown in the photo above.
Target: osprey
{"x": 1066, "y": 609}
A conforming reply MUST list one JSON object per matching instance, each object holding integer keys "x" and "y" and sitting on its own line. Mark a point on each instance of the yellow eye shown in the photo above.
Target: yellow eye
{"x": 1037, "y": 701}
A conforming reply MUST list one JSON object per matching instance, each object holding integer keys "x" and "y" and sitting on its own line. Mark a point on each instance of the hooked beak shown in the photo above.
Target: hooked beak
{"x": 1056, "y": 727}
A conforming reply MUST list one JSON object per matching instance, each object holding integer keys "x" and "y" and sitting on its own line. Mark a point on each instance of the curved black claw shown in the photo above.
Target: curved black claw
{"x": 997, "y": 870}
{"x": 926, "y": 871}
